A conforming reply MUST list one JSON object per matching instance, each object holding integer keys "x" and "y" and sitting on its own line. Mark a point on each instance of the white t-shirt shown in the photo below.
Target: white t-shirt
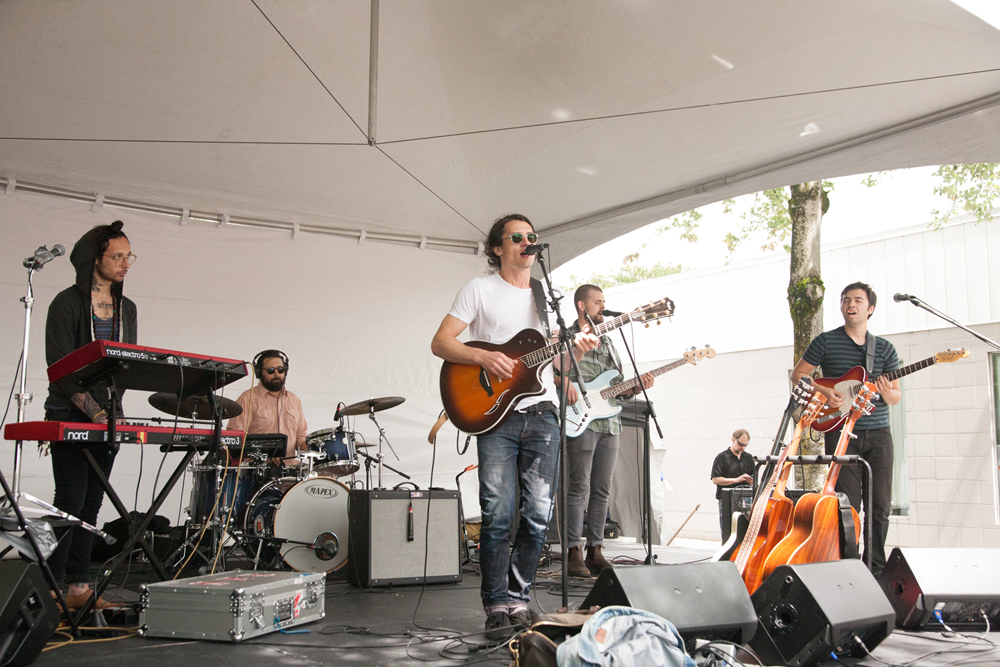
{"x": 495, "y": 310}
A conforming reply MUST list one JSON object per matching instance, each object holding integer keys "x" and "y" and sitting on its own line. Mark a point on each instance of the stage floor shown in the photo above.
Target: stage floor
{"x": 435, "y": 626}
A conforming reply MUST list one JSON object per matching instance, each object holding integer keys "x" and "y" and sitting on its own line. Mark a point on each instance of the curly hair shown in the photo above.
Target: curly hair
{"x": 495, "y": 238}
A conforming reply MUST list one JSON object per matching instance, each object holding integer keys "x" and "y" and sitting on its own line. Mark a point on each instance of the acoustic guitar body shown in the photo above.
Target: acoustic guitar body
{"x": 777, "y": 523}
{"x": 476, "y": 401}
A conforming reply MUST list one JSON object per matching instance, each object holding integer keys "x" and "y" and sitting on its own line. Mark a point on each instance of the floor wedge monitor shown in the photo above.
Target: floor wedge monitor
{"x": 930, "y": 588}
{"x": 703, "y": 600}
{"x": 28, "y": 614}
{"x": 806, "y": 612}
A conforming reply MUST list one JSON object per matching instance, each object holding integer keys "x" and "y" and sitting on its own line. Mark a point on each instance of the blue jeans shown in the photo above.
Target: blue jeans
{"x": 523, "y": 452}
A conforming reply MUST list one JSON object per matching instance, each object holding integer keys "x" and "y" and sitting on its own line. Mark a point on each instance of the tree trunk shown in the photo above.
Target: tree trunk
{"x": 806, "y": 206}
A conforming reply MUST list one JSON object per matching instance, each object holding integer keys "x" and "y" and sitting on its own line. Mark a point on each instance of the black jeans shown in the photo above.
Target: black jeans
{"x": 78, "y": 492}
{"x": 876, "y": 448}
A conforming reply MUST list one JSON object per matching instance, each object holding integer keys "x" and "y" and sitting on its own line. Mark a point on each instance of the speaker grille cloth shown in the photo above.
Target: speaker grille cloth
{"x": 393, "y": 556}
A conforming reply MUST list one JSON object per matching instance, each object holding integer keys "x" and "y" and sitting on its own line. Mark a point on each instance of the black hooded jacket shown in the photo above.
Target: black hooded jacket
{"x": 69, "y": 326}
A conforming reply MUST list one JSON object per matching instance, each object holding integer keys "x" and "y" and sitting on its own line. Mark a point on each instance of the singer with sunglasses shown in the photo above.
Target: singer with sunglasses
{"x": 94, "y": 308}
{"x": 274, "y": 408}
{"x": 523, "y": 451}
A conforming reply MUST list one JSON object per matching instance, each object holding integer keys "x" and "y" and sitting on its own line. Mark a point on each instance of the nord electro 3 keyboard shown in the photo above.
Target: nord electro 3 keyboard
{"x": 144, "y": 368}
{"x": 167, "y": 436}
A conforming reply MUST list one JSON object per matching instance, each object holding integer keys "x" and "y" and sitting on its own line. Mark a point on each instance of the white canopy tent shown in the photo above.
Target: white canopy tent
{"x": 309, "y": 118}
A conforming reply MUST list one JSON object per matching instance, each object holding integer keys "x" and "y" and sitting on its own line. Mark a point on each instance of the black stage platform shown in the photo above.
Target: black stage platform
{"x": 386, "y": 627}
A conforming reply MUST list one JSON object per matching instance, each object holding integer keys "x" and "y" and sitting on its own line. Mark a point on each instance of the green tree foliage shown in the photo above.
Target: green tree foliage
{"x": 630, "y": 272}
{"x": 971, "y": 189}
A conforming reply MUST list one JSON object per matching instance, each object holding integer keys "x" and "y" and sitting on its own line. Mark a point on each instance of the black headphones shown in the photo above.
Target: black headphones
{"x": 258, "y": 361}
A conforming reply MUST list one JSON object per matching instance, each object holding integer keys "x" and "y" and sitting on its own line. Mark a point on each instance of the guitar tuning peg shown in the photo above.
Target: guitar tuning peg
{"x": 693, "y": 348}
{"x": 707, "y": 345}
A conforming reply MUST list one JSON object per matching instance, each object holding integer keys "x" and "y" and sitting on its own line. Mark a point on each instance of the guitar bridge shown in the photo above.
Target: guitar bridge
{"x": 484, "y": 381}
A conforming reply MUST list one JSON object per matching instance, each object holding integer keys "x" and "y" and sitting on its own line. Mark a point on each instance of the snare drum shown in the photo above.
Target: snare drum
{"x": 338, "y": 445}
{"x": 311, "y": 514}
{"x": 204, "y": 490}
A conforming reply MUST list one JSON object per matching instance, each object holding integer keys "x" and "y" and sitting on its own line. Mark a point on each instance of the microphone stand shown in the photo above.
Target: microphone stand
{"x": 23, "y": 398}
{"x": 647, "y": 446}
{"x": 934, "y": 311}
{"x": 566, "y": 346}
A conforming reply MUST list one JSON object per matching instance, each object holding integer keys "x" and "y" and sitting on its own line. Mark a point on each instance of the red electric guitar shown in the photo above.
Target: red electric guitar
{"x": 850, "y": 383}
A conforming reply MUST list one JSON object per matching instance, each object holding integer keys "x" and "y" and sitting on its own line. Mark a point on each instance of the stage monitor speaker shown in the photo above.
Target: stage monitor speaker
{"x": 386, "y": 539}
{"x": 28, "y": 614}
{"x": 703, "y": 600}
{"x": 962, "y": 585}
{"x": 806, "y": 612}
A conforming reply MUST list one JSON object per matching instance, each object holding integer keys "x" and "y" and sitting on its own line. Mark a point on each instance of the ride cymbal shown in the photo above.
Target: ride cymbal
{"x": 371, "y": 405}
{"x": 193, "y": 407}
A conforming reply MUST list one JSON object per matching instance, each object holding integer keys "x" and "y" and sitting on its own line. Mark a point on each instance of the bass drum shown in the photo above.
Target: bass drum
{"x": 311, "y": 513}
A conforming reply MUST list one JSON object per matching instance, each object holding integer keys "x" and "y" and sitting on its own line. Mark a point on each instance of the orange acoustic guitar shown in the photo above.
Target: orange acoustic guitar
{"x": 849, "y": 384}
{"x": 772, "y": 513}
{"x": 477, "y": 402}
{"x": 815, "y": 534}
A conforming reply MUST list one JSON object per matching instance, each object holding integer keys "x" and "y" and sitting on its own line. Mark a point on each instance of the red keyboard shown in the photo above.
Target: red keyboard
{"x": 179, "y": 438}
{"x": 144, "y": 368}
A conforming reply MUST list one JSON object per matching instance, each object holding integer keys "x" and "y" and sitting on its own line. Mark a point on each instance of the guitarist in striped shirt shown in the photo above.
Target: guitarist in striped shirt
{"x": 838, "y": 351}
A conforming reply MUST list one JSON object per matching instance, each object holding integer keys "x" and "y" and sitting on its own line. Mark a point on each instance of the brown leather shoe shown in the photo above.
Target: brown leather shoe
{"x": 576, "y": 566}
{"x": 596, "y": 562}
{"x": 78, "y": 601}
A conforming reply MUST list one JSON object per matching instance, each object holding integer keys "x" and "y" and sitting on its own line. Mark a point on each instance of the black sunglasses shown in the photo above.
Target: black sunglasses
{"x": 280, "y": 369}
{"x": 517, "y": 237}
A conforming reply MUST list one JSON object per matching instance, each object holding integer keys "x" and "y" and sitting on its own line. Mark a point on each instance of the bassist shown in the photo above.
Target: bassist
{"x": 838, "y": 351}
{"x": 591, "y": 456}
{"x": 523, "y": 451}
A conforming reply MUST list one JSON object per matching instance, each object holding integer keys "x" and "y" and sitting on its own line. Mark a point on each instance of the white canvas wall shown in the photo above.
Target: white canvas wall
{"x": 355, "y": 320}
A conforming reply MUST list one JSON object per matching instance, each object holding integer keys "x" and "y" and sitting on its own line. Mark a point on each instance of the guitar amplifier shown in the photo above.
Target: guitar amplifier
{"x": 386, "y": 539}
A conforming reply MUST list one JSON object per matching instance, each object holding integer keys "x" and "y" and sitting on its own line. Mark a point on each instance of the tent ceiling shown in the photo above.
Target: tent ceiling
{"x": 591, "y": 117}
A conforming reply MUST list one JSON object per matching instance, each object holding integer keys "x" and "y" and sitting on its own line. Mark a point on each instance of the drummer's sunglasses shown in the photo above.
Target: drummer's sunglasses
{"x": 279, "y": 369}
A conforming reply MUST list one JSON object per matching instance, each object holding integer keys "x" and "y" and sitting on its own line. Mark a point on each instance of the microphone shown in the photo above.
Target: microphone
{"x": 903, "y": 297}
{"x": 43, "y": 256}
{"x": 612, "y": 313}
{"x": 536, "y": 248}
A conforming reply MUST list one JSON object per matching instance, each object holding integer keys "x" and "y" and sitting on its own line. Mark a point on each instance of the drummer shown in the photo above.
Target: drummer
{"x": 274, "y": 409}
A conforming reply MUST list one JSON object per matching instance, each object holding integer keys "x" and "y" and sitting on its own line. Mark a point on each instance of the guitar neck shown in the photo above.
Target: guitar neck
{"x": 549, "y": 352}
{"x": 611, "y": 392}
{"x": 906, "y": 370}
{"x": 830, "y": 488}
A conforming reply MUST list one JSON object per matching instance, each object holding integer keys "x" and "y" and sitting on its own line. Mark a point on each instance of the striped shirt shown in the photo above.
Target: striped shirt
{"x": 602, "y": 358}
{"x": 105, "y": 329}
{"x": 837, "y": 353}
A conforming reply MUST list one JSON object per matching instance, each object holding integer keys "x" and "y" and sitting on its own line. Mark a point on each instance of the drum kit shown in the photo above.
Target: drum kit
{"x": 290, "y": 516}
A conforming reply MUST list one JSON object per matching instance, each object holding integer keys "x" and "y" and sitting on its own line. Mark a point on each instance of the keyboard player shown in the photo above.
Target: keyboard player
{"x": 93, "y": 308}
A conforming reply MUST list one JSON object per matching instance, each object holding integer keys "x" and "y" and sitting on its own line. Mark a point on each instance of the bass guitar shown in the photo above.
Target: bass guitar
{"x": 600, "y": 392}
{"x": 850, "y": 383}
{"x": 477, "y": 401}
{"x": 815, "y": 534}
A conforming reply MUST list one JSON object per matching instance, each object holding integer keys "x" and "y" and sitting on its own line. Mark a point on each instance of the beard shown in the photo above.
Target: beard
{"x": 105, "y": 275}
{"x": 274, "y": 384}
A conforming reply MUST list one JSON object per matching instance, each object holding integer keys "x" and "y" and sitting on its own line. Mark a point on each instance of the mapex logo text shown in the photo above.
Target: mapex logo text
{"x": 127, "y": 354}
{"x": 321, "y": 491}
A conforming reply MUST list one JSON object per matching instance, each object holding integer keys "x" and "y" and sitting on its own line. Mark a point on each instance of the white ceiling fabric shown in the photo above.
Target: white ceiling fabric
{"x": 591, "y": 117}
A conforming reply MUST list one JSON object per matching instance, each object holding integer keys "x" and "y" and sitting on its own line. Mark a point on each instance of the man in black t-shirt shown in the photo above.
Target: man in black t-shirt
{"x": 732, "y": 468}
{"x": 838, "y": 351}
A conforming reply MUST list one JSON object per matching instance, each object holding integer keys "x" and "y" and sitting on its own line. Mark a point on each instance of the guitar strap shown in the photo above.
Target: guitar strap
{"x": 540, "y": 306}
{"x": 870, "y": 353}
{"x": 848, "y": 545}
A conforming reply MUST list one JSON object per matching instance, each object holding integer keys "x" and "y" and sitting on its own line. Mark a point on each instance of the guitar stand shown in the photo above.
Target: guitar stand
{"x": 866, "y": 487}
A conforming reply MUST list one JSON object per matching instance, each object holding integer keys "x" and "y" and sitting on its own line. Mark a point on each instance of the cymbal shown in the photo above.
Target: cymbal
{"x": 371, "y": 405}
{"x": 193, "y": 405}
